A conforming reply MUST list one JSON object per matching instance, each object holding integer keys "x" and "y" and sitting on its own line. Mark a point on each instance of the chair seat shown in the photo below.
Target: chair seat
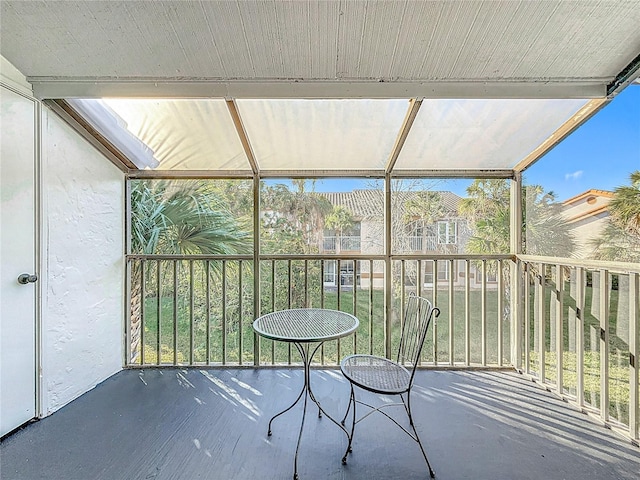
{"x": 376, "y": 374}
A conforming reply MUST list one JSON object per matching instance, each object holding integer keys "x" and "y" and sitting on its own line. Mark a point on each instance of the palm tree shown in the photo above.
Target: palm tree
{"x": 183, "y": 218}
{"x": 487, "y": 208}
{"x": 620, "y": 239}
{"x": 178, "y": 218}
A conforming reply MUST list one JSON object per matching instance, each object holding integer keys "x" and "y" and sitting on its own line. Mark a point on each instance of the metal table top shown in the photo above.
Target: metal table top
{"x": 305, "y": 325}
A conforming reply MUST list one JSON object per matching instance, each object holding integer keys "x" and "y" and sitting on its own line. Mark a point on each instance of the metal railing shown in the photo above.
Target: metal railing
{"x": 420, "y": 243}
{"x": 346, "y": 243}
{"x": 198, "y": 310}
{"x": 578, "y": 335}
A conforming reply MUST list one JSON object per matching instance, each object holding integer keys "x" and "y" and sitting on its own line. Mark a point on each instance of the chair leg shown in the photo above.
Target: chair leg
{"x": 352, "y": 401}
{"x": 424, "y": 454}
{"x": 344, "y": 419}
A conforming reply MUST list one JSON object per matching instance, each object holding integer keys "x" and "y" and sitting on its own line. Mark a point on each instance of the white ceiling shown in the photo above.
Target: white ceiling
{"x": 249, "y": 51}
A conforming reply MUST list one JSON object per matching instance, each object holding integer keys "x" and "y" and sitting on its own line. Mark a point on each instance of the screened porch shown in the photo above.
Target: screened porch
{"x": 175, "y": 170}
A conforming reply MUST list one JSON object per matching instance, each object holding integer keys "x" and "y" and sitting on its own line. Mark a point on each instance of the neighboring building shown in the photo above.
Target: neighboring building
{"x": 587, "y": 215}
{"x": 422, "y": 223}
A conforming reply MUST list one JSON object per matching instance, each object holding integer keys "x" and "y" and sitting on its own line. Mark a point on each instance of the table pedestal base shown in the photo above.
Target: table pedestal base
{"x": 306, "y": 353}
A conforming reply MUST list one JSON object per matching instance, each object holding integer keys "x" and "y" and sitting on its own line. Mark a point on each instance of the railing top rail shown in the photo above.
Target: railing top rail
{"x": 187, "y": 257}
{"x": 617, "y": 267}
{"x": 326, "y": 256}
{"x": 408, "y": 256}
{"x": 429, "y": 256}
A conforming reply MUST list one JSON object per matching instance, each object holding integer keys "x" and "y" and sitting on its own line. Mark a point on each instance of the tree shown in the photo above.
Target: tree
{"x": 340, "y": 219}
{"x": 179, "y": 218}
{"x": 292, "y": 220}
{"x": 620, "y": 239}
{"x": 487, "y": 208}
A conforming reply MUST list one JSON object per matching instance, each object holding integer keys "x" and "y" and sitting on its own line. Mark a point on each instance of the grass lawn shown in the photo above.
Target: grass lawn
{"x": 369, "y": 338}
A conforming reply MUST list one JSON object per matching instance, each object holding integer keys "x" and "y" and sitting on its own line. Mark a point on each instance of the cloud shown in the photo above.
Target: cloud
{"x": 573, "y": 176}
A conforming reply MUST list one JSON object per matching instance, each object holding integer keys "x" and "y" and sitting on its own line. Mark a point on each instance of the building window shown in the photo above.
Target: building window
{"x": 443, "y": 272}
{"x": 349, "y": 273}
{"x": 447, "y": 232}
{"x": 492, "y": 276}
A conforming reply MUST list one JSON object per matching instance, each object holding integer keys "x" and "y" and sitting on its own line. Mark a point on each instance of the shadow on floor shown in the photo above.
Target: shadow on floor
{"x": 212, "y": 423}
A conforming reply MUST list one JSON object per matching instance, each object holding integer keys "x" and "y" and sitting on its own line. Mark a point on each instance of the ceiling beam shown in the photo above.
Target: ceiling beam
{"x": 242, "y": 134}
{"x": 95, "y": 138}
{"x": 412, "y": 113}
{"x": 311, "y": 174}
{"x": 581, "y": 116}
{"x": 71, "y": 87}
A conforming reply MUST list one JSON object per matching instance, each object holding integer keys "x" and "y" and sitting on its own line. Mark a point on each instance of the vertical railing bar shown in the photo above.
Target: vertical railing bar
{"x": 224, "y": 312}
{"x": 339, "y": 282}
{"x": 191, "y": 317}
{"x": 467, "y": 312}
{"x": 403, "y": 298}
{"x": 159, "y": 310}
{"x": 527, "y": 316}
{"x": 580, "y": 300}
{"x": 289, "y": 298}
{"x": 257, "y": 271}
{"x": 634, "y": 350}
{"x": 306, "y": 283}
{"x": 207, "y": 299}
{"x": 559, "y": 329}
{"x": 435, "y": 320}
{"x": 143, "y": 295}
{"x": 355, "y": 304}
{"x": 387, "y": 266}
{"x": 500, "y": 311}
{"x": 273, "y": 307}
{"x": 240, "y": 313}
{"x": 604, "y": 345}
{"x": 541, "y": 317}
{"x": 483, "y": 312}
{"x": 175, "y": 312}
{"x": 322, "y": 304}
{"x": 128, "y": 326}
{"x": 516, "y": 305}
{"x": 451, "y": 312}
{"x": 370, "y": 307}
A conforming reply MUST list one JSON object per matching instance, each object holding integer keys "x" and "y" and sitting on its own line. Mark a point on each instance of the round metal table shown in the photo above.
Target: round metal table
{"x": 307, "y": 329}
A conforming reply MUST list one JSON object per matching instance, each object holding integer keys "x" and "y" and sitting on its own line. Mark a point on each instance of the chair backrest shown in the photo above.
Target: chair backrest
{"x": 417, "y": 317}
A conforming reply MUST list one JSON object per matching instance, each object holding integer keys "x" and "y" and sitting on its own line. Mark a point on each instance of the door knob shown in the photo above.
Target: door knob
{"x": 25, "y": 278}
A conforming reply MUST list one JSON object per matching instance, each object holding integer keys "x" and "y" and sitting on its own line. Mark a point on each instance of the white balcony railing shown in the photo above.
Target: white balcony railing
{"x": 419, "y": 243}
{"x": 346, "y": 243}
{"x": 578, "y": 335}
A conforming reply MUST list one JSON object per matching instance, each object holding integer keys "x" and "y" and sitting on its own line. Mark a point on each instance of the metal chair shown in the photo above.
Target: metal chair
{"x": 388, "y": 377}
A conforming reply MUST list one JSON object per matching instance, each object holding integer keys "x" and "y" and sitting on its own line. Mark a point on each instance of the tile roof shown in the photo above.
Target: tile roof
{"x": 370, "y": 203}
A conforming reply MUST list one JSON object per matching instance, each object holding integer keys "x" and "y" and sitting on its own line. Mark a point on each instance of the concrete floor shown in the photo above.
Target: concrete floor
{"x": 211, "y": 424}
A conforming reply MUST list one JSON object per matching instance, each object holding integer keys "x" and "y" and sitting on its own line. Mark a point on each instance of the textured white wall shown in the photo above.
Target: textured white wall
{"x": 83, "y": 295}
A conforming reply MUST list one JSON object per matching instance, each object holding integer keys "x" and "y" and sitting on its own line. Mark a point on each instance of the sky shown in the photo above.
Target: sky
{"x": 599, "y": 155}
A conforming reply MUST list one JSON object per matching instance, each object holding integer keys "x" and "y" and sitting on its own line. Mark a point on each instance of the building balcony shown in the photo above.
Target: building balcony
{"x": 340, "y": 244}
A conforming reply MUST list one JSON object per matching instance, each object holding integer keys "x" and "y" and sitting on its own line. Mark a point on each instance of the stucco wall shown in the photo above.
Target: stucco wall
{"x": 82, "y": 235}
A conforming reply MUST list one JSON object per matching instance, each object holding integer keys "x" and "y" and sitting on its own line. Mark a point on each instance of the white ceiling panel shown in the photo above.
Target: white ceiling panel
{"x": 481, "y": 134}
{"x": 322, "y": 134}
{"x": 185, "y": 134}
{"x": 401, "y": 41}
